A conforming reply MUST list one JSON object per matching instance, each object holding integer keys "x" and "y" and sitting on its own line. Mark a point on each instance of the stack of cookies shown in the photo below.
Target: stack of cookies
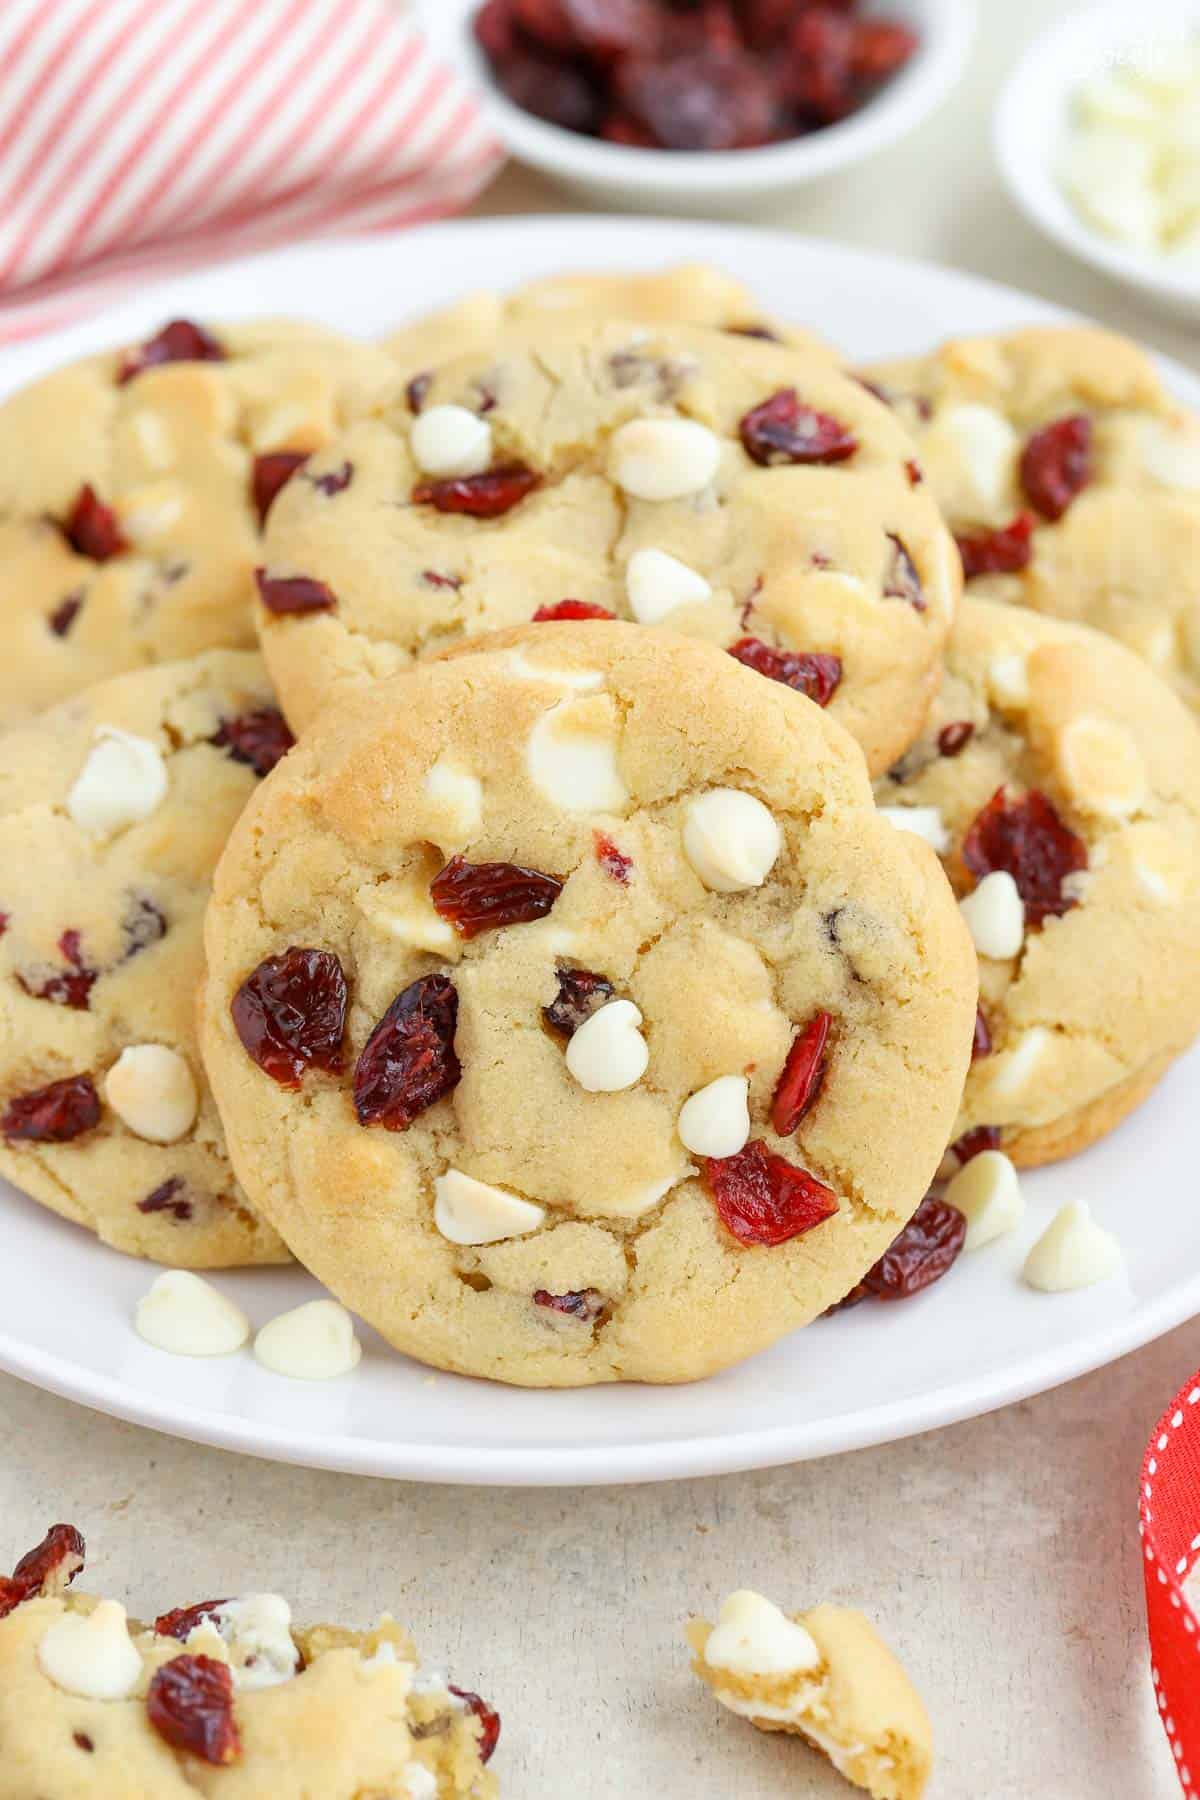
{"x": 628, "y": 870}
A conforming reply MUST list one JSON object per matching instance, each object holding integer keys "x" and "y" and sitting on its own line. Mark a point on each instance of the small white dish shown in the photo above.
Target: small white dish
{"x": 1033, "y": 122}
{"x": 685, "y": 181}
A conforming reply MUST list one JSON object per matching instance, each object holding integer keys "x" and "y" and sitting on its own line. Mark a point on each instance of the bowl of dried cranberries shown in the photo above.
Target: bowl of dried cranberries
{"x": 703, "y": 104}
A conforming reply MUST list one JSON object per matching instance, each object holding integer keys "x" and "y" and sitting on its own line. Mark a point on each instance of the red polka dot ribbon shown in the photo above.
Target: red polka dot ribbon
{"x": 1169, "y": 1503}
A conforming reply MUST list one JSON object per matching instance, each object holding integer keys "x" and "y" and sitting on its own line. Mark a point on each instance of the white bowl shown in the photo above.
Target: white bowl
{"x": 703, "y": 181}
{"x": 1033, "y": 121}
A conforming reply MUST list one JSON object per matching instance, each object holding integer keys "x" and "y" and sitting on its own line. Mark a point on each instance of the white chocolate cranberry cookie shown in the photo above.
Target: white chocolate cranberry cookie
{"x": 1071, "y": 479}
{"x": 114, "y": 807}
{"x": 743, "y": 492}
{"x": 825, "y": 1676}
{"x": 1059, "y": 777}
{"x": 132, "y": 485}
{"x": 225, "y": 1698}
{"x": 685, "y": 294}
{"x": 573, "y": 1015}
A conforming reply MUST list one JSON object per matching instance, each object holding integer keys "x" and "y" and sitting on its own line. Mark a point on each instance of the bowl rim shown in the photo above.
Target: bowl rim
{"x": 1058, "y": 61}
{"x": 947, "y": 28}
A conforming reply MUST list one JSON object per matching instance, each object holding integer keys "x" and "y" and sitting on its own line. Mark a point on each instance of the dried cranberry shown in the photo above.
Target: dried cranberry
{"x": 333, "y": 481}
{"x": 71, "y": 989}
{"x": 803, "y": 1074}
{"x": 714, "y": 97}
{"x": 143, "y": 924}
{"x": 257, "y": 738}
{"x": 183, "y": 1620}
{"x": 981, "y": 1044}
{"x": 912, "y": 469}
{"x": 558, "y": 91}
{"x": 974, "y": 1143}
{"x": 291, "y": 1014}
{"x": 817, "y": 74}
{"x": 810, "y": 672}
{"x": 762, "y": 332}
{"x": 54, "y": 1114}
{"x": 784, "y": 430}
{"x": 545, "y": 21}
{"x": 190, "y": 1704}
{"x": 485, "y": 496}
{"x": 417, "y": 391}
{"x": 608, "y": 28}
{"x": 91, "y": 527}
{"x": 409, "y": 1062}
{"x": 582, "y": 1303}
{"x": 431, "y": 578}
{"x": 65, "y": 613}
{"x": 580, "y": 994}
{"x": 571, "y": 609}
{"x": 1025, "y": 836}
{"x": 294, "y": 593}
{"x": 168, "y": 1197}
{"x": 879, "y": 48}
{"x": 1005, "y": 551}
{"x": 762, "y": 1199}
{"x": 178, "y": 341}
{"x": 765, "y": 23}
{"x": 489, "y": 1721}
{"x": 53, "y": 1564}
{"x": 902, "y": 581}
{"x": 82, "y": 1741}
{"x": 613, "y": 861}
{"x": 622, "y": 128}
{"x": 271, "y": 472}
{"x": 953, "y": 739}
{"x": 921, "y": 1254}
{"x": 1056, "y": 464}
{"x": 477, "y": 897}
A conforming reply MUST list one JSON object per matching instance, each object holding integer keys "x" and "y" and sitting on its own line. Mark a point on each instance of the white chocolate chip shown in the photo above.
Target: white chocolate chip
{"x": 186, "y": 1315}
{"x": 152, "y": 1091}
{"x": 405, "y": 912}
{"x": 986, "y": 1191}
{"x": 663, "y": 459}
{"x": 150, "y": 511}
{"x": 731, "y": 840}
{"x": 995, "y": 916}
{"x": 639, "y": 1200}
{"x": 91, "y": 1654}
{"x": 449, "y": 440}
{"x": 608, "y": 1052}
{"x": 923, "y": 821}
{"x": 752, "y": 1637}
{"x": 283, "y": 427}
{"x": 459, "y": 798}
{"x": 571, "y": 757}
{"x": 313, "y": 1342}
{"x": 1008, "y": 681}
{"x": 1171, "y": 454}
{"x": 1102, "y": 766}
{"x": 153, "y": 439}
{"x": 419, "y": 1782}
{"x": 981, "y": 446}
{"x": 123, "y": 781}
{"x": 1011, "y": 1071}
{"x": 716, "y": 1120}
{"x": 583, "y": 679}
{"x": 1072, "y": 1252}
{"x": 257, "y": 1629}
{"x": 467, "y": 1211}
{"x": 657, "y": 583}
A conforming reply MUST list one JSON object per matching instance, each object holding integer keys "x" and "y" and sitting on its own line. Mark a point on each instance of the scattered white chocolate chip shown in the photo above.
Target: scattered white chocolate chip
{"x": 419, "y": 1782}
{"x": 663, "y": 459}
{"x": 986, "y": 1191}
{"x": 283, "y": 427}
{"x": 467, "y": 1211}
{"x": 639, "y": 1200}
{"x": 923, "y": 821}
{"x": 752, "y": 1637}
{"x": 582, "y": 679}
{"x": 404, "y": 911}
{"x": 150, "y": 511}
{"x": 995, "y": 916}
{"x": 459, "y": 798}
{"x": 571, "y": 757}
{"x": 123, "y": 780}
{"x": 257, "y": 1629}
{"x": 1011, "y": 1071}
{"x": 1171, "y": 453}
{"x": 1102, "y": 766}
{"x": 657, "y": 583}
{"x": 731, "y": 840}
{"x": 608, "y": 1052}
{"x": 715, "y": 1121}
{"x": 153, "y": 439}
{"x": 186, "y": 1315}
{"x": 1008, "y": 680}
{"x": 449, "y": 440}
{"x": 152, "y": 1091}
{"x": 313, "y": 1342}
{"x": 980, "y": 445}
{"x": 1072, "y": 1252}
{"x": 91, "y": 1654}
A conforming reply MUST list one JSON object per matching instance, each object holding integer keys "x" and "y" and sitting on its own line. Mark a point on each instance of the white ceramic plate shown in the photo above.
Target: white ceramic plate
{"x": 977, "y": 1340}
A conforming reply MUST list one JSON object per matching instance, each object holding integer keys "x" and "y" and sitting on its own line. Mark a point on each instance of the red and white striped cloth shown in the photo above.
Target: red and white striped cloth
{"x": 139, "y": 137}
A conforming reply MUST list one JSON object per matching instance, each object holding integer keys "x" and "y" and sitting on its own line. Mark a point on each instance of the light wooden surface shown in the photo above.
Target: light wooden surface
{"x": 999, "y": 1557}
